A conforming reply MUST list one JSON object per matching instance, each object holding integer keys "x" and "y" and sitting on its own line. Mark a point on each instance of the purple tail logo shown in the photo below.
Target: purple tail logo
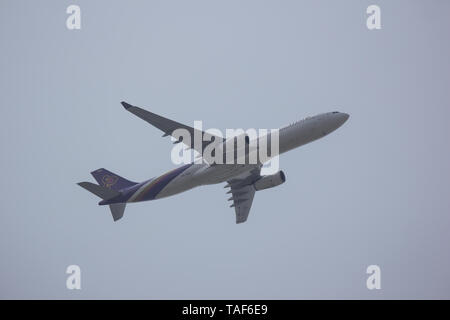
{"x": 109, "y": 180}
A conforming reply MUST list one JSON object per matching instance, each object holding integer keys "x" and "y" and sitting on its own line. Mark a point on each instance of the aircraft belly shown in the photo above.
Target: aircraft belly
{"x": 221, "y": 173}
{"x": 176, "y": 186}
{"x": 297, "y": 136}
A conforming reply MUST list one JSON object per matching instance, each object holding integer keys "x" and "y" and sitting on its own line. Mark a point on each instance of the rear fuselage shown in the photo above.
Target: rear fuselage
{"x": 193, "y": 175}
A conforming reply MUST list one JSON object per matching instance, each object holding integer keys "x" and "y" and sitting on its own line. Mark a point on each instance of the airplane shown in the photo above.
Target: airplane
{"x": 242, "y": 179}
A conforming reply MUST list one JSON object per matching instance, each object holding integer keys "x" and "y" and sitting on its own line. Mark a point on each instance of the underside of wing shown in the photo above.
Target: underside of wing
{"x": 169, "y": 126}
{"x": 242, "y": 202}
{"x": 242, "y": 193}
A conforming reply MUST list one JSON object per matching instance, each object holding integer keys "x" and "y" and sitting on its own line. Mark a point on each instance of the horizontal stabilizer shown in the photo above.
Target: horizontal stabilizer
{"x": 99, "y": 191}
{"x": 117, "y": 210}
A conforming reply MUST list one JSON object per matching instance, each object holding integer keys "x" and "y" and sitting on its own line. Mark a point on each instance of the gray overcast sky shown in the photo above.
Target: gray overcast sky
{"x": 373, "y": 192}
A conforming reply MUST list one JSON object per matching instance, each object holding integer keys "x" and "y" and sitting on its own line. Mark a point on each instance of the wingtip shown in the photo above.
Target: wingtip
{"x": 126, "y": 105}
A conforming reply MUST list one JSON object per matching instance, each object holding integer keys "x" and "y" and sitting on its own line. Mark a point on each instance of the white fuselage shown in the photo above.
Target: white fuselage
{"x": 290, "y": 137}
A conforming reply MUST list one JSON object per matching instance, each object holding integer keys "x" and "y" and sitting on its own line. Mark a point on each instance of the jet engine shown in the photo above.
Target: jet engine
{"x": 270, "y": 181}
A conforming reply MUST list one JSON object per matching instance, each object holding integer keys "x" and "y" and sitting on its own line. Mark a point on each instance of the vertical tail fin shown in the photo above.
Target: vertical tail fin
{"x": 111, "y": 180}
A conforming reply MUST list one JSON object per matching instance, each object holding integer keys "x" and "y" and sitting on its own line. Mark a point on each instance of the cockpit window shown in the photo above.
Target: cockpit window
{"x": 335, "y": 112}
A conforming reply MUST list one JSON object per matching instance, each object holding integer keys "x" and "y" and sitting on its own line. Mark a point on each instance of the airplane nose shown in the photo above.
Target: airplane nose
{"x": 341, "y": 118}
{"x": 345, "y": 116}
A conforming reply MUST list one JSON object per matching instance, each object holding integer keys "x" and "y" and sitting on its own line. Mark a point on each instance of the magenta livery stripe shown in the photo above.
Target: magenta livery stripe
{"x": 156, "y": 185}
{"x": 154, "y": 182}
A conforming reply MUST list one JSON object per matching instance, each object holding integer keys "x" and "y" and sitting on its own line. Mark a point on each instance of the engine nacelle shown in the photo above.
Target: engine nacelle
{"x": 270, "y": 181}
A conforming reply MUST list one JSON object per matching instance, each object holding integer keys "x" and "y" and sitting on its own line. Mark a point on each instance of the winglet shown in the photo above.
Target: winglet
{"x": 126, "y": 105}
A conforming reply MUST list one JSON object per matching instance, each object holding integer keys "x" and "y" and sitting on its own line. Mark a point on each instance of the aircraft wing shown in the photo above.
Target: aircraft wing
{"x": 242, "y": 193}
{"x": 169, "y": 126}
